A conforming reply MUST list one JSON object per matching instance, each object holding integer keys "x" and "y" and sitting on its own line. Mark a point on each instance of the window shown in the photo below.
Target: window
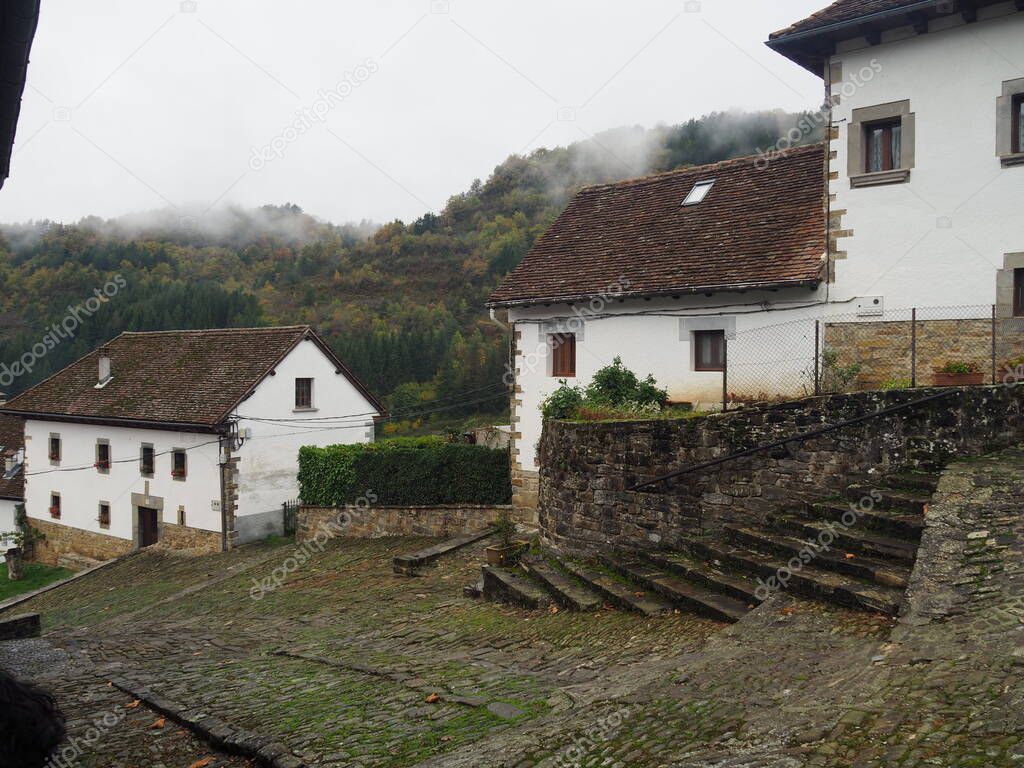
{"x": 563, "y": 354}
{"x": 102, "y": 456}
{"x": 181, "y": 516}
{"x": 699, "y": 192}
{"x": 1018, "y": 123}
{"x": 884, "y": 146}
{"x": 104, "y": 516}
{"x": 179, "y": 464}
{"x": 55, "y": 506}
{"x": 147, "y": 460}
{"x": 1018, "y": 293}
{"x": 709, "y": 350}
{"x": 1010, "y": 123}
{"x": 55, "y": 448}
{"x": 303, "y": 393}
{"x": 881, "y": 144}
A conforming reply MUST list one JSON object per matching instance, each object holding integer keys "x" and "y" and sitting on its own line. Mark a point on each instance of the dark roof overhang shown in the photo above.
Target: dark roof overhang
{"x": 810, "y": 48}
{"x": 688, "y": 291}
{"x": 18, "y": 22}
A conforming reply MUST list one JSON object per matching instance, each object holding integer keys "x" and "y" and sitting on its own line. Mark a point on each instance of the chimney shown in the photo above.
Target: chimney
{"x": 104, "y": 368}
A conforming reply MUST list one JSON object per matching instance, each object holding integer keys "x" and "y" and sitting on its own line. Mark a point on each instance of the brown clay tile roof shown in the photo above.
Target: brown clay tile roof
{"x": 843, "y": 11}
{"x": 757, "y": 227}
{"x": 170, "y": 377}
{"x": 12, "y": 439}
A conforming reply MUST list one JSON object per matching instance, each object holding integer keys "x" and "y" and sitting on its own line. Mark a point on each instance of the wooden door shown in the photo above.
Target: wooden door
{"x": 148, "y": 531}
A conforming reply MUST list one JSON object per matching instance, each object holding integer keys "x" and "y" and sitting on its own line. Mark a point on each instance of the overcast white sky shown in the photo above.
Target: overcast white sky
{"x": 142, "y": 104}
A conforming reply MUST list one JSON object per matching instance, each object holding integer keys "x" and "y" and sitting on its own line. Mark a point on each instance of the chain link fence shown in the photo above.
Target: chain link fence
{"x": 890, "y": 349}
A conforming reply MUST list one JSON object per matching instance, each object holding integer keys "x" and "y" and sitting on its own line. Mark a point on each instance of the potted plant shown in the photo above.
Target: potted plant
{"x": 509, "y": 550}
{"x": 959, "y": 373}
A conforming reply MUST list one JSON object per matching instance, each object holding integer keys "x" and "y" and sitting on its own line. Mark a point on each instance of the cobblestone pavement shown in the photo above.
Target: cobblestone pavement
{"x": 351, "y": 665}
{"x": 107, "y": 728}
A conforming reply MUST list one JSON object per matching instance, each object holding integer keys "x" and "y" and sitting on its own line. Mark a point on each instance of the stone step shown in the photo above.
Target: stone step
{"x": 566, "y": 591}
{"x": 505, "y": 586}
{"x": 881, "y": 572}
{"x": 693, "y": 597}
{"x": 869, "y": 496}
{"x": 913, "y": 481}
{"x": 705, "y": 573}
{"x": 857, "y": 541}
{"x": 407, "y": 564}
{"x": 895, "y": 523}
{"x": 626, "y": 596}
{"x": 809, "y": 581}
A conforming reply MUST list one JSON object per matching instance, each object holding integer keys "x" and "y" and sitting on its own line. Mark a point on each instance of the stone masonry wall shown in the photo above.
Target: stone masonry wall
{"x": 64, "y": 540}
{"x": 883, "y": 349}
{"x": 587, "y": 470}
{"x": 183, "y": 537}
{"x": 378, "y": 522}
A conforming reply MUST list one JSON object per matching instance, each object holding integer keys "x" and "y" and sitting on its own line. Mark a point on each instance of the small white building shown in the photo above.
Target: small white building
{"x": 12, "y": 479}
{"x": 914, "y": 200}
{"x": 185, "y": 438}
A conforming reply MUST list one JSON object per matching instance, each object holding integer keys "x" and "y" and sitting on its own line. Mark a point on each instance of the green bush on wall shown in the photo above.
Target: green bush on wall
{"x": 404, "y": 472}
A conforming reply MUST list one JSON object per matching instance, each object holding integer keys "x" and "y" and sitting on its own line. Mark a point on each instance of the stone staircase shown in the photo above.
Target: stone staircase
{"x": 857, "y": 552}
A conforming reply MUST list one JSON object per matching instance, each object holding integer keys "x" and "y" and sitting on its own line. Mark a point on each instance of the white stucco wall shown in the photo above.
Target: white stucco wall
{"x": 939, "y": 238}
{"x": 650, "y": 338}
{"x": 269, "y": 460}
{"x": 82, "y": 490}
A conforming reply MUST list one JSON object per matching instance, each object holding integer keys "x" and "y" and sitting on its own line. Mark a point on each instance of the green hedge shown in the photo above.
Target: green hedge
{"x": 404, "y": 472}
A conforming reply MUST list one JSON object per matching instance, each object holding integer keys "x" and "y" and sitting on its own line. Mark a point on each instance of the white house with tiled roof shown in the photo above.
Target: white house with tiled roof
{"x": 189, "y": 438}
{"x": 914, "y": 200}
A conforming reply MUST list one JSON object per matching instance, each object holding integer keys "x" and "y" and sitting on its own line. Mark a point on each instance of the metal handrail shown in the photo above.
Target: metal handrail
{"x": 795, "y": 438}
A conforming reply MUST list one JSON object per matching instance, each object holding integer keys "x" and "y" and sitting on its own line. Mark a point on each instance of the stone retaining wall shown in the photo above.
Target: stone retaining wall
{"x": 195, "y": 540}
{"x": 377, "y": 522}
{"x": 64, "y": 540}
{"x": 588, "y": 469}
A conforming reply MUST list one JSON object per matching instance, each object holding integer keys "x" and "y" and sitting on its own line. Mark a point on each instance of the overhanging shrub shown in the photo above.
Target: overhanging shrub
{"x": 404, "y": 472}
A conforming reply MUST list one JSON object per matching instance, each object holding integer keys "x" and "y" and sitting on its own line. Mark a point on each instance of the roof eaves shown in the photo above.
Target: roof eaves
{"x": 724, "y": 288}
{"x": 781, "y": 37}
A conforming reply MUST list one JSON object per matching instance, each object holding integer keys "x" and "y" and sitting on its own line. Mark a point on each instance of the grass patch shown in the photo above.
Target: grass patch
{"x": 36, "y": 575}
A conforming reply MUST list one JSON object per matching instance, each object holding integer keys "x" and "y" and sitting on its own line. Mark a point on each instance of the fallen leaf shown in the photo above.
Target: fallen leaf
{"x": 640, "y": 594}
{"x": 158, "y": 723}
{"x": 133, "y": 705}
{"x": 202, "y": 763}
{"x": 553, "y": 609}
{"x": 849, "y": 556}
{"x": 433, "y": 698}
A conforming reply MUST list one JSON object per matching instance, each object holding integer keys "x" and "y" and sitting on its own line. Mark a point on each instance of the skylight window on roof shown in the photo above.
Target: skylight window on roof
{"x": 699, "y": 192}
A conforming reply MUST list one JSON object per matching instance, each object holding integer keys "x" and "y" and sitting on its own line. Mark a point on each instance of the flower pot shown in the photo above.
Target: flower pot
{"x": 958, "y": 379}
{"x": 14, "y": 564}
{"x": 500, "y": 555}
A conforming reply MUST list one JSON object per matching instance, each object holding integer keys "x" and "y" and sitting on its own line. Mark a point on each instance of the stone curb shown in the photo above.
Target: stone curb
{"x": 19, "y": 599}
{"x": 263, "y": 749}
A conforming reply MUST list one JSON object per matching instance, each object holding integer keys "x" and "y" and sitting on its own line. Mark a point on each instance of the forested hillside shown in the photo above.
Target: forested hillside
{"x": 402, "y": 303}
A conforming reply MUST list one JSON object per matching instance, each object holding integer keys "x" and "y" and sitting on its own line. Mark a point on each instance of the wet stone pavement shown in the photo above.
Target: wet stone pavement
{"x": 348, "y": 664}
